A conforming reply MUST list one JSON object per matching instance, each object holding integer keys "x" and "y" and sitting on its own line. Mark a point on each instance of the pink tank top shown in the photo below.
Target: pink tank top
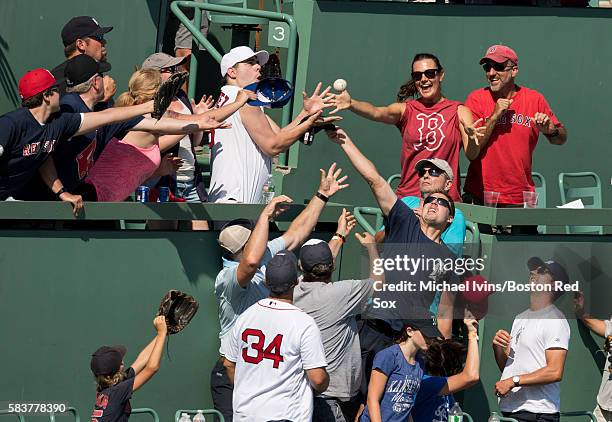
{"x": 121, "y": 168}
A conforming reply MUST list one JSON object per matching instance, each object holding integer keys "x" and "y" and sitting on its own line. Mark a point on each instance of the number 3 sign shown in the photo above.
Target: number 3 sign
{"x": 278, "y": 34}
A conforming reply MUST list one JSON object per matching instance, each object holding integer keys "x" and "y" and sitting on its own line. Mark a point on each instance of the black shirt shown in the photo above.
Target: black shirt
{"x": 113, "y": 403}
{"x": 26, "y": 145}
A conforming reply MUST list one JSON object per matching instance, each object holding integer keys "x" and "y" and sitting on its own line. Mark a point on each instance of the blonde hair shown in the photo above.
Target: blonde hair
{"x": 105, "y": 381}
{"x": 141, "y": 88}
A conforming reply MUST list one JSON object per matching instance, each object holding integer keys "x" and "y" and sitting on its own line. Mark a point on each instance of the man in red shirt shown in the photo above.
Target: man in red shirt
{"x": 514, "y": 117}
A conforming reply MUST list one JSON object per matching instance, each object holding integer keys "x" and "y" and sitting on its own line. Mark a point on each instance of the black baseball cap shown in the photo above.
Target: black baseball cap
{"x": 426, "y": 326}
{"x": 557, "y": 270}
{"x": 282, "y": 272}
{"x": 81, "y": 68}
{"x": 81, "y": 27}
{"x": 107, "y": 360}
{"x": 315, "y": 252}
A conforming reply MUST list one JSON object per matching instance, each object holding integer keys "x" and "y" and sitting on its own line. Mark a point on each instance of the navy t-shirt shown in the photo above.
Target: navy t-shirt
{"x": 429, "y": 406}
{"x": 404, "y": 238}
{"x": 113, "y": 403}
{"x": 74, "y": 159}
{"x": 403, "y": 382}
{"x": 26, "y": 144}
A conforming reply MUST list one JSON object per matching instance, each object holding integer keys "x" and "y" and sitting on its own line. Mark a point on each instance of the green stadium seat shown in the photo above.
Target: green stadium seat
{"x": 214, "y": 412}
{"x": 230, "y": 19}
{"x": 590, "y": 194}
{"x": 360, "y": 212}
{"x": 148, "y": 411}
{"x": 72, "y": 411}
{"x": 4, "y": 412}
{"x": 580, "y": 413}
{"x": 471, "y": 244}
{"x": 393, "y": 179}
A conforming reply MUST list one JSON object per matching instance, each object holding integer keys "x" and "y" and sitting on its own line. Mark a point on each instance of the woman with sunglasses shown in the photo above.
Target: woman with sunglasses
{"x": 431, "y": 125}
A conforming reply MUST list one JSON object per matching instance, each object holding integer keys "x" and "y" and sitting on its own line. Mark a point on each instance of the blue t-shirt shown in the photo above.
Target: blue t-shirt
{"x": 26, "y": 144}
{"x": 403, "y": 382}
{"x": 429, "y": 406}
{"x": 404, "y": 237}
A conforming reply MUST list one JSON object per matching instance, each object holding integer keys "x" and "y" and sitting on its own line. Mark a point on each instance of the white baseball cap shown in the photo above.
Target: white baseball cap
{"x": 239, "y": 54}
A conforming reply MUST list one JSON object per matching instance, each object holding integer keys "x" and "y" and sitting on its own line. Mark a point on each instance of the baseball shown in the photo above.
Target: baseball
{"x": 340, "y": 85}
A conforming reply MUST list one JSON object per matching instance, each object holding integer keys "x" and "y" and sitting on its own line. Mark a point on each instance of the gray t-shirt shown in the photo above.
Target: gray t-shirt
{"x": 233, "y": 299}
{"x": 334, "y": 307}
{"x": 604, "y": 397}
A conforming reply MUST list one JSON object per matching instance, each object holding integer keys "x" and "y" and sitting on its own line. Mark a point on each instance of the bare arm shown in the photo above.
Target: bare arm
{"x": 258, "y": 241}
{"x": 94, "y": 120}
{"x": 470, "y": 134}
{"x": 171, "y": 126}
{"x": 445, "y": 314}
{"x": 595, "y": 325}
{"x": 231, "y": 369}
{"x": 501, "y": 348}
{"x": 390, "y": 114}
{"x": 369, "y": 242}
{"x": 304, "y": 224}
{"x": 558, "y": 139}
{"x": 376, "y": 389}
{"x": 380, "y": 188}
{"x": 319, "y": 379}
{"x": 143, "y": 356}
{"x": 152, "y": 365}
{"x": 471, "y": 371}
{"x": 48, "y": 173}
{"x": 346, "y": 223}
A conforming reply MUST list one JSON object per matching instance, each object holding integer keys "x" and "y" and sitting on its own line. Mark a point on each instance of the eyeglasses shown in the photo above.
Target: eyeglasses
{"x": 440, "y": 201}
{"x": 169, "y": 69}
{"x": 252, "y": 61}
{"x": 542, "y": 270}
{"x": 433, "y": 172}
{"x": 429, "y": 74}
{"x": 53, "y": 89}
{"x": 99, "y": 38}
{"x": 498, "y": 67}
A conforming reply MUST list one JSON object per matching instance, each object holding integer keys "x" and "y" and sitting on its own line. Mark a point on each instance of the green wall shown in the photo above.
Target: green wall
{"x": 563, "y": 54}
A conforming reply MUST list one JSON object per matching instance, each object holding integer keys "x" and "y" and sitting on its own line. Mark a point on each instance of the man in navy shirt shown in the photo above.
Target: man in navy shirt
{"x": 31, "y": 133}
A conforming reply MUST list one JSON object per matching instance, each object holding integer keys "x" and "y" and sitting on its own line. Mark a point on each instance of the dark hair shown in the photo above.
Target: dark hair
{"x": 444, "y": 358}
{"x": 450, "y": 200}
{"x": 402, "y": 336}
{"x": 409, "y": 90}
{"x": 34, "y": 101}
{"x": 70, "y": 49}
{"x": 320, "y": 272}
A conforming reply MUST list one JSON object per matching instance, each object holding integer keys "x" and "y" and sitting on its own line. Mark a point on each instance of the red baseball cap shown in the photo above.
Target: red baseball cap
{"x": 500, "y": 54}
{"x": 36, "y": 81}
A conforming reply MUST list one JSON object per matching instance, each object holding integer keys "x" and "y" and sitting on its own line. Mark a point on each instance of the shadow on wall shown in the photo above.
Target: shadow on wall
{"x": 8, "y": 80}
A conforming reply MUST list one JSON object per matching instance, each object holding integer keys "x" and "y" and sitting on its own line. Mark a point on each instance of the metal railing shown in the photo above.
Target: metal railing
{"x": 194, "y": 28}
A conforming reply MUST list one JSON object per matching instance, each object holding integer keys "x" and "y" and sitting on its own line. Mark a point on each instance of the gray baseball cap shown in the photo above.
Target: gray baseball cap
{"x": 436, "y": 162}
{"x": 160, "y": 61}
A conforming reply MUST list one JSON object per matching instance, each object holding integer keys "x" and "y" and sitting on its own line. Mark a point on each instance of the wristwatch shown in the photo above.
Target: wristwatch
{"x": 59, "y": 192}
{"x": 516, "y": 380}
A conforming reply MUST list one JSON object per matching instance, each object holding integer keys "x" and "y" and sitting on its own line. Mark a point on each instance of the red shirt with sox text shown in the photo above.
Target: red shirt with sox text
{"x": 428, "y": 132}
{"x": 504, "y": 164}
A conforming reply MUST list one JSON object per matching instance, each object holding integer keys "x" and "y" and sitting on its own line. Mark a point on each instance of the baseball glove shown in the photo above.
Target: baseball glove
{"x": 178, "y": 308}
{"x": 166, "y": 93}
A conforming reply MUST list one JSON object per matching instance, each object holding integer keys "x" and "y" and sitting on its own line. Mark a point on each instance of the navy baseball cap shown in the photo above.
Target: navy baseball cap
{"x": 81, "y": 27}
{"x": 81, "y": 68}
{"x": 271, "y": 92}
{"x": 315, "y": 252}
{"x": 557, "y": 270}
{"x": 282, "y": 272}
{"x": 107, "y": 360}
{"x": 424, "y": 322}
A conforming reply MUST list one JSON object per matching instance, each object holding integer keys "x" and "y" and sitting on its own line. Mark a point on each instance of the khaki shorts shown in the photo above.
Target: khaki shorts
{"x": 602, "y": 415}
{"x": 183, "y": 37}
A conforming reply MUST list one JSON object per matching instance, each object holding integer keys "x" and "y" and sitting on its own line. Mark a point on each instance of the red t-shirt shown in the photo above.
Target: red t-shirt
{"x": 428, "y": 132}
{"x": 504, "y": 164}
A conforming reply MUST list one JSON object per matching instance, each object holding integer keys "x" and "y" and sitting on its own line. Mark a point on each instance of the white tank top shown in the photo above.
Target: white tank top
{"x": 186, "y": 172}
{"x": 239, "y": 168}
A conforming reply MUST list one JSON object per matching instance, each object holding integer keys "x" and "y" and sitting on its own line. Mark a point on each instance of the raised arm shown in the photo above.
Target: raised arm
{"x": 595, "y": 325}
{"x": 368, "y": 242}
{"x": 143, "y": 356}
{"x": 152, "y": 365}
{"x": 346, "y": 224}
{"x": 304, "y": 224}
{"x": 471, "y": 134}
{"x": 390, "y": 114}
{"x": 471, "y": 371}
{"x": 171, "y": 126}
{"x": 255, "y": 248}
{"x": 380, "y": 188}
{"x": 92, "y": 121}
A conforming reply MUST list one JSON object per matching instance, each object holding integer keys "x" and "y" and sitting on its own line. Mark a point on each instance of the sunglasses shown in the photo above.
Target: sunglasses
{"x": 53, "y": 89}
{"x": 429, "y": 74}
{"x": 99, "y": 38}
{"x": 440, "y": 201}
{"x": 498, "y": 67}
{"x": 542, "y": 270}
{"x": 169, "y": 69}
{"x": 433, "y": 172}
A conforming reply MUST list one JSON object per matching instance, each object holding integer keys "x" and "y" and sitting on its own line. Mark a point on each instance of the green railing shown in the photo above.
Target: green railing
{"x": 205, "y": 412}
{"x": 194, "y": 28}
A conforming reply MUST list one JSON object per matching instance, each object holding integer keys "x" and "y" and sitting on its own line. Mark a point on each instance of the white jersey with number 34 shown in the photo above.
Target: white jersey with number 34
{"x": 272, "y": 344}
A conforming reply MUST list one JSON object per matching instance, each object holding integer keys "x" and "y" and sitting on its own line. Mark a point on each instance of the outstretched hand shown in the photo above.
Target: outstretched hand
{"x": 169, "y": 165}
{"x": 365, "y": 239}
{"x": 209, "y": 122}
{"x": 318, "y": 100}
{"x": 341, "y": 101}
{"x": 206, "y": 104}
{"x": 346, "y": 223}
{"x": 277, "y": 206}
{"x": 473, "y": 132}
{"x": 330, "y": 184}
{"x": 337, "y": 136}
